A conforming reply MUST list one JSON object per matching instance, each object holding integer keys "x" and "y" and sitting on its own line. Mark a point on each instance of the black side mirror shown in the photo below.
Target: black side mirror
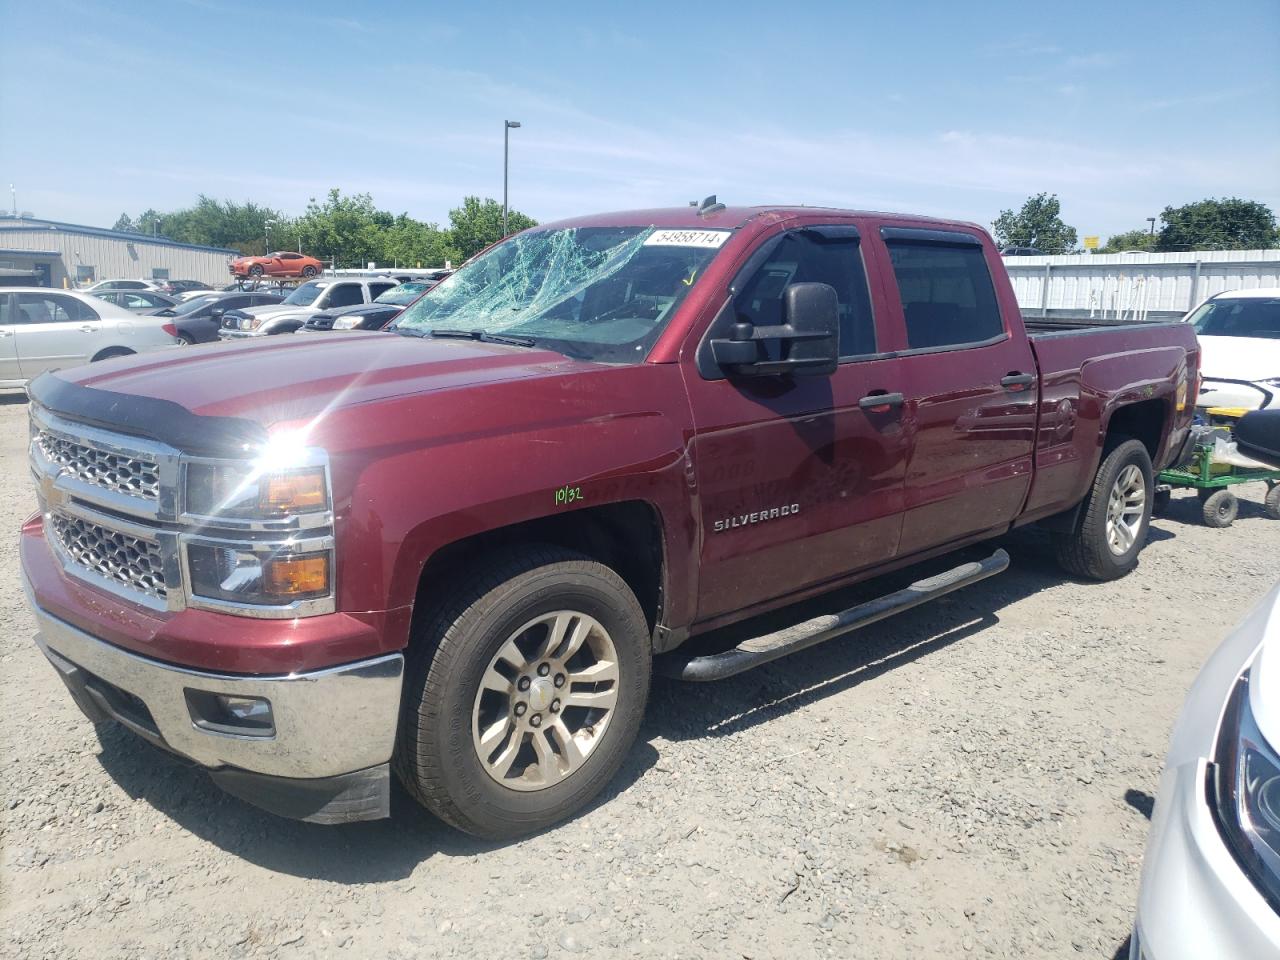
{"x": 807, "y": 337}
{"x": 216, "y": 313}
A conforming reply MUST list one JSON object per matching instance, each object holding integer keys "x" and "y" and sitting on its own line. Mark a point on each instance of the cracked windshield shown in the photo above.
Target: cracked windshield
{"x": 596, "y": 293}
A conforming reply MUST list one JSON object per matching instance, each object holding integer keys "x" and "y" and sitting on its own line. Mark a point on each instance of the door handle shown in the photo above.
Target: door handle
{"x": 881, "y": 402}
{"x": 1015, "y": 381}
{"x": 6, "y": 333}
{"x": 86, "y": 328}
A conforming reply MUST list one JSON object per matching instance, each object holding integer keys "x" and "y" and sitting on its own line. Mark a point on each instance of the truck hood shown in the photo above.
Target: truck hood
{"x": 292, "y": 379}
{"x": 269, "y": 310}
{"x": 1240, "y": 358}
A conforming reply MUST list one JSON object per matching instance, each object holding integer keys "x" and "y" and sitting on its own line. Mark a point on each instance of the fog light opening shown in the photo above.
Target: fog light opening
{"x": 231, "y": 715}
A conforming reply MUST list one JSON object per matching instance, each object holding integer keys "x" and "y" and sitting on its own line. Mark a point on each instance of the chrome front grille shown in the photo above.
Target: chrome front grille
{"x": 131, "y": 561}
{"x": 117, "y": 472}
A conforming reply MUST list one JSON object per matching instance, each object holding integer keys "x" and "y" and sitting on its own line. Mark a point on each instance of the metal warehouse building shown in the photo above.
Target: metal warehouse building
{"x": 52, "y": 254}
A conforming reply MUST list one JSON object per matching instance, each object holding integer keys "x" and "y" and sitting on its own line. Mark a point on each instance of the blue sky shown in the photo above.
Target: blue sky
{"x": 941, "y": 108}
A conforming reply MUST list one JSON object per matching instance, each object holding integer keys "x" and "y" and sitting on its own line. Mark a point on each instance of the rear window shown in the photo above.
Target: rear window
{"x": 1240, "y": 317}
{"x": 947, "y": 295}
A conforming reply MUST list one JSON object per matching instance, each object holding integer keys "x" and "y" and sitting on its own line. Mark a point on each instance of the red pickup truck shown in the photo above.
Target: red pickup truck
{"x": 456, "y": 550}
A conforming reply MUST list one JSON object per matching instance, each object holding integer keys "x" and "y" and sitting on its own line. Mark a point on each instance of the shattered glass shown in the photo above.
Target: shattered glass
{"x": 599, "y": 293}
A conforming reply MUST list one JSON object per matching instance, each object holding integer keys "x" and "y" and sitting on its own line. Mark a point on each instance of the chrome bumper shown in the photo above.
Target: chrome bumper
{"x": 326, "y": 722}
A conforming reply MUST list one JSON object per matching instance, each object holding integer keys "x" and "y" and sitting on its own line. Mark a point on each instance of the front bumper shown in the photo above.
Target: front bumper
{"x": 1195, "y": 901}
{"x": 324, "y": 760}
{"x": 225, "y": 334}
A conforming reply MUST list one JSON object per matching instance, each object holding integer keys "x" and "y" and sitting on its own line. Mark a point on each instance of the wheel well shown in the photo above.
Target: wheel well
{"x": 1143, "y": 421}
{"x": 626, "y": 537}
{"x": 111, "y": 352}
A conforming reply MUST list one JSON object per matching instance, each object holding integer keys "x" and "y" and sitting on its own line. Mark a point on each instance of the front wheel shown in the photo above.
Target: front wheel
{"x": 524, "y": 693}
{"x": 256, "y": 270}
{"x": 308, "y": 271}
{"x": 1219, "y": 508}
{"x": 1271, "y": 505}
{"x": 1112, "y": 529}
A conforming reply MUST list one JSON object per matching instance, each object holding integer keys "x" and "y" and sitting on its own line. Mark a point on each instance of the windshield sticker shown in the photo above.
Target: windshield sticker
{"x": 706, "y": 239}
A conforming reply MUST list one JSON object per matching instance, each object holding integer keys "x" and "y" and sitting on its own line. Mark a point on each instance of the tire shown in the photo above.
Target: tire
{"x": 256, "y": 270}
{"x": 110, "y": 352}
{"x": 457, "y": 642}
{"x": 1272, "y": 502}
{"x": 1219, "y": 509}
{"x": 1161, "y": 501}
{"x": 308, "y": 271}
{"x": 1087, "y": 550}
{"x": 185, "y": 339}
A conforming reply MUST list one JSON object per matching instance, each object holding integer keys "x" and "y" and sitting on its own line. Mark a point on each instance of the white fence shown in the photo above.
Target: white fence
{"x": 1136, "y": 286}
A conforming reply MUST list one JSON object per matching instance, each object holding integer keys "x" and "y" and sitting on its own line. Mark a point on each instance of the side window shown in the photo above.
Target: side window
{"x": 378, "y": 289}
{"x": 804, "y": 256}
{"x": 946, "y": 291}
{"x": 345, "y": 295}
{"x": 6, "y": 316}
{"x": 51, "y": 308}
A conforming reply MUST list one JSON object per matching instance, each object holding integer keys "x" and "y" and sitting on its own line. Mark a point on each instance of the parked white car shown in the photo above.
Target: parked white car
{"x": 44, "y": 329}
{"x": 104, "y": 285}
{"x": 306, "y": 301}
{"x": 1239, "y": 335}
{"x": 1211, "y": 877}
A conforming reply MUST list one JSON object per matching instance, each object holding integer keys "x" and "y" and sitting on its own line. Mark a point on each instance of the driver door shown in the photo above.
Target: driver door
{"x": 54, "y": 331}
{"x": 798, "y": 482}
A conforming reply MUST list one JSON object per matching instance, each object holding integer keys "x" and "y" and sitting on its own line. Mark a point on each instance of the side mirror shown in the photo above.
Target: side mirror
{"x": 807, "y": 338}
{"x": 216, "y": 313}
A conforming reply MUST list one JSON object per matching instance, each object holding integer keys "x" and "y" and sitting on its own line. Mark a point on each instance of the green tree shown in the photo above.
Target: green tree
{"x": 478, "y": 223}
{"x": 1129, "y": 240}
{"x": 1227, "y": 224}
{"x": 124, "y": 223}
{"x": 1038, "y": 224}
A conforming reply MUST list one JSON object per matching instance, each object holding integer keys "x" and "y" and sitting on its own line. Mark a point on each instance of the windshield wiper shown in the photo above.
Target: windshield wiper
{"x": 407, "y": 331}
{"x": 486, "y": 337}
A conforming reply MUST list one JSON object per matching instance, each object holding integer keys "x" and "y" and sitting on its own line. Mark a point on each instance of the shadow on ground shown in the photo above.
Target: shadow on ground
{"x": 391, "y": 849}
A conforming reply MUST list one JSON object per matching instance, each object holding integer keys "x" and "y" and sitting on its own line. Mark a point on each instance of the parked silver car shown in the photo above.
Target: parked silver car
{"x": 43, "y": 329}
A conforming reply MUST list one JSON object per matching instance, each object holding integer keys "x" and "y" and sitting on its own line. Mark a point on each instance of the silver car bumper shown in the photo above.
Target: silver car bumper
{"x": 331, "y": 732}
{"x": 1195, "y": 901}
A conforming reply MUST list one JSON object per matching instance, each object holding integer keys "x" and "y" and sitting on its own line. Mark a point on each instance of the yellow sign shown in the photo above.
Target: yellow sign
{"x": 1091, "y": 243}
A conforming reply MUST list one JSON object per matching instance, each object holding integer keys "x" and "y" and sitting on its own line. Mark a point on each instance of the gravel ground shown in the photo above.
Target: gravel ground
{"x": 970, "y": 778}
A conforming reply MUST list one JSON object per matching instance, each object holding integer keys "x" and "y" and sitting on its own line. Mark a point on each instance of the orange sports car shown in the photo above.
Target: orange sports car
{"x": 279, "y": 264}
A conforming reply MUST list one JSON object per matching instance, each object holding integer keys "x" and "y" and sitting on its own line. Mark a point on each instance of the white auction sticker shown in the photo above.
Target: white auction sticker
{"x": 707, "y": 239}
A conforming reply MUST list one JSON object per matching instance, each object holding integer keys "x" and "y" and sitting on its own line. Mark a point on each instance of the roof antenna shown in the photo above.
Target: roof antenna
{"x": 709, "y": 206}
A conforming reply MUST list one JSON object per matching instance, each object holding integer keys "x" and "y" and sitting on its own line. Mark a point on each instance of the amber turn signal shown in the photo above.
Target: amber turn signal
{"x": 304, "y": 574}
{"x": 297, "y": 492}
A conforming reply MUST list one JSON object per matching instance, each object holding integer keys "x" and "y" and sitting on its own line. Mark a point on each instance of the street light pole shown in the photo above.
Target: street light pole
{"x": 13, "y": 194}
{"x": 507, "y": 127}
{"x": 266, "y": 235}
{"x": 1152, "y": 221}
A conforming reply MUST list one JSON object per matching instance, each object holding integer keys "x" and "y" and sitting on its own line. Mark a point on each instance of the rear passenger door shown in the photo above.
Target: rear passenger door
{"x": 8, "y": 341}
{"x": 54, "y": 331}
{"x": 969, "y": 385}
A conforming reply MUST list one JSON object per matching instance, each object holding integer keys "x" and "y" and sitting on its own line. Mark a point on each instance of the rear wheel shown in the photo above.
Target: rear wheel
{"x": 1272, "y": 502}
{"x": 308, "y": 271}
{"x": 1112, "y": 528}
{"x": 185, "y": 339}
{"x": 110, "y": 352}
{"x": 524, "y": 694}
{"x": 1219, "y": 508}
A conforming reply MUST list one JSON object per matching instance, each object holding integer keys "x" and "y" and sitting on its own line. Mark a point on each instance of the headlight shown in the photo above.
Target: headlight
{"x": 249, "y": 323}
{"x": 1246, "y": 793}
{"x": 255, "y": 491}
{"x": 261, "y": 531}
{"x": 346, "y": 323}
{"x": 257, "y": 574}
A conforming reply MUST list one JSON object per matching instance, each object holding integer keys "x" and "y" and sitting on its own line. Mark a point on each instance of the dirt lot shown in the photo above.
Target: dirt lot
{"x": 969, "y": 778}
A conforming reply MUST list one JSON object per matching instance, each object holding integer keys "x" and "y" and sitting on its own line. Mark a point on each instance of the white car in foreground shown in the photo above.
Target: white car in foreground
{"x": 1239, "y": 335}
{"x": 44, "y": 329}
{"x": 1211, "y": 877}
